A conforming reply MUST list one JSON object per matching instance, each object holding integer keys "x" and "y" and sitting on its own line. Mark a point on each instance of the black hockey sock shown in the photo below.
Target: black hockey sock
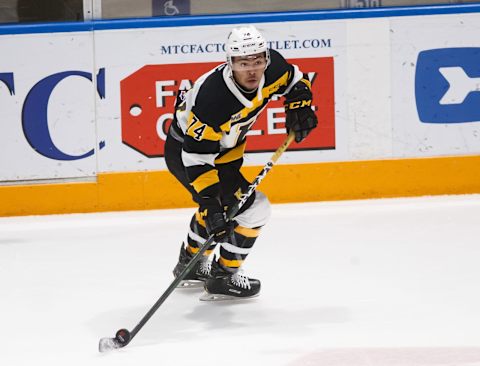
{"x": 233, "y": 254}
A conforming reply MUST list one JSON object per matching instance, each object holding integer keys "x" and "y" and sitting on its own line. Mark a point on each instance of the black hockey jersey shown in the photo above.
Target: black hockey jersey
{"x": 213, "y": 119}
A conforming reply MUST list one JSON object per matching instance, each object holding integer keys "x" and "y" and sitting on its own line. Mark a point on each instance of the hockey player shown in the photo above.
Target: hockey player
{"x": 205, "y": 147}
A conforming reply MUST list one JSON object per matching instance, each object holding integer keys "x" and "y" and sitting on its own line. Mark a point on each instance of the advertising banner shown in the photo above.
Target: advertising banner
{"x": 47, "y": 106}
{"x": 73, "y": 107}
{"x": 436, "y": 85}
{"x": 76, "y": 104}
{"x": 146, "y": 69}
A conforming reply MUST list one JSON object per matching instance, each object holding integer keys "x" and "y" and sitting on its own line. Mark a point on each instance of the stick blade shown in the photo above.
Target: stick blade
{"x": 108, "y": 344}
{"x": 122, "y": 338}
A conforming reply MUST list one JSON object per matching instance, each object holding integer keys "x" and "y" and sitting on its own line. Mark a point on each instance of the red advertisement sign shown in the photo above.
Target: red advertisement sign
{"x": 148, "y": 96}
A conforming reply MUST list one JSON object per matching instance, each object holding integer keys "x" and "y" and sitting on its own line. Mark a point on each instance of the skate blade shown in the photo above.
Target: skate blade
{"x": 190, "y": 284}
{"x": 220, "y": 297}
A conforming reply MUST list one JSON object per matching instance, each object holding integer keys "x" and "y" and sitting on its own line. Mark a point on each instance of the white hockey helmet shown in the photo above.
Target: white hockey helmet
{"x": 246, "y": 41}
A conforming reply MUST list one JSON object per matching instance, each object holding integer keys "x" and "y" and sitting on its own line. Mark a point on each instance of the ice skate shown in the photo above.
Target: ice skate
{"x": 197, "y": 275}
{"x": 224, "y": 285}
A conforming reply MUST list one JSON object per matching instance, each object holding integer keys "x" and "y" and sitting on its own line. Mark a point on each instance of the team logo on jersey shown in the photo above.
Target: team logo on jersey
{"x": 447, "y": 85}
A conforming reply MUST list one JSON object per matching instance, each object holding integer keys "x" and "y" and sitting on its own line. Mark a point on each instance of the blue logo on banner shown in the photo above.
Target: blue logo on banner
{"x": 7, "y": 79}
{"x": 35, "y": 114}
{"x": 447, "y": 85}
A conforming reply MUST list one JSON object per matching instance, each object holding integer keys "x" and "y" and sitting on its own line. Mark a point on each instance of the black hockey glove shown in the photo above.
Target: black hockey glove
{"x": 300, "y": 117}
{"x": 215, "y": 220}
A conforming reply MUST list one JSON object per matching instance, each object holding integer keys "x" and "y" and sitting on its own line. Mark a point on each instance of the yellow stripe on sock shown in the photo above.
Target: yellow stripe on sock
{"x": 230, "y": 263}
{"x": 193, "y": 250}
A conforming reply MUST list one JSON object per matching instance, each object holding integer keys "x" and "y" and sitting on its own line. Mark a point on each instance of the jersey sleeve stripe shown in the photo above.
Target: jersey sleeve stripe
{"x": 232, "y": 155}
{"x": 205, "y": 180}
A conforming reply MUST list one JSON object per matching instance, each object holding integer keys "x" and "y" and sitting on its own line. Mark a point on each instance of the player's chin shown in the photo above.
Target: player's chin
{"x": 252, "y": 84}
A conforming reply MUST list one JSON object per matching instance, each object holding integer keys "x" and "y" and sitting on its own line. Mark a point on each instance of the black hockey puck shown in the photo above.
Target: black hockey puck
{"x": 123, "y": 336}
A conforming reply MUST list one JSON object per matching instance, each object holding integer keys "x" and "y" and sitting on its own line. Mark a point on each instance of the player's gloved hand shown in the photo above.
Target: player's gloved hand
{"x": 300, "y": 117}
{"x": 216, "y": 222}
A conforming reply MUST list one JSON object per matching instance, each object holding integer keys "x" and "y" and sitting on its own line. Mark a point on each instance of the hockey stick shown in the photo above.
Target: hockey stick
{"x": 123, "y": 336}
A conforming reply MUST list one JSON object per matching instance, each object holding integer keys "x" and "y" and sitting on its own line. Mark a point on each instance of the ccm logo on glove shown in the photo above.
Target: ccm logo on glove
{"x": 298, "y": 104}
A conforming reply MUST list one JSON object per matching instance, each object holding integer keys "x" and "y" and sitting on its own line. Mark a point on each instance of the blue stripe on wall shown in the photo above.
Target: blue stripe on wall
{"x": 184, "y": 21}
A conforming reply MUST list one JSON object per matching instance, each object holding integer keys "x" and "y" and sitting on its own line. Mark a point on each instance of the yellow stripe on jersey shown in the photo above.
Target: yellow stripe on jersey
{"x": 245, "y": 231}
{"x": 226, "y": 126}
{"x": 230, "y": 263}
{"x": 201, "y": 131}
{"x": 272, "y": 88}
{"x": 205, "y": 180}
{"x": 266, "y": 93}
{"x": 232, "y": 155}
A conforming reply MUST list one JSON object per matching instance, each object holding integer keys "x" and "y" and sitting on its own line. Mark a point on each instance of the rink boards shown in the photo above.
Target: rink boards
{"x": 85, "y": 107}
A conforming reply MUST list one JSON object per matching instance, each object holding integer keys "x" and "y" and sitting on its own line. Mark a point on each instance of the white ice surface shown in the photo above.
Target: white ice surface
{"x": 374, "y": 283}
